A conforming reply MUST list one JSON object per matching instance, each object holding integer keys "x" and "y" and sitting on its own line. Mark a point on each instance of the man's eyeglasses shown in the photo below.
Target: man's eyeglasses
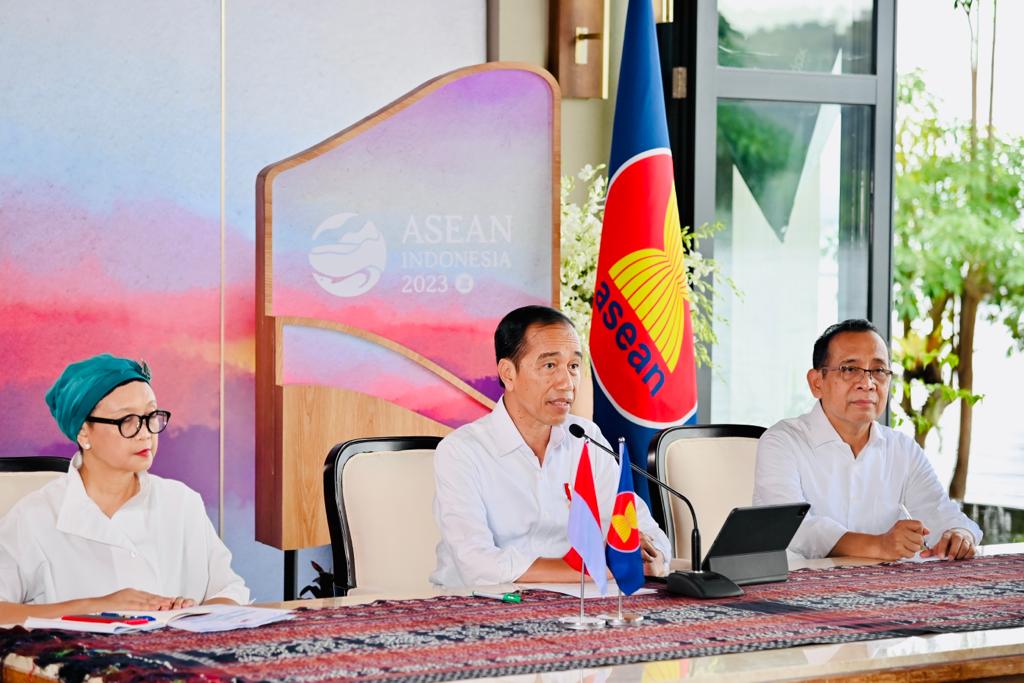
{"x": 851, "y": 373}
{"x": 130, "y": 425}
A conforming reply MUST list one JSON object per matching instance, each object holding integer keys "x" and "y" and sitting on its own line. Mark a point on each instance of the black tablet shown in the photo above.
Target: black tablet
{"x": 751, "y": 546}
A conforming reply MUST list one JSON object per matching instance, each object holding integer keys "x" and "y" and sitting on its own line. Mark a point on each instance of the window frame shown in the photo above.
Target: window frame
{"x": 708, "y": 83}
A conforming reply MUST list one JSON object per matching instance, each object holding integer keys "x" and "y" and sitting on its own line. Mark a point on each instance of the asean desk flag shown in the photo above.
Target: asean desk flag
{"x": 641, "y": 337}
{"x": 585, "y": 534}
{"x": 623, "y": 551}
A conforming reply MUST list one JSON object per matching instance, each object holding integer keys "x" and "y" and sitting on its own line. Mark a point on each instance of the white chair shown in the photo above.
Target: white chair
{"x": 379, "y": 494}
{"x": 21, "y": 476}
{"x": 713, "y": 466}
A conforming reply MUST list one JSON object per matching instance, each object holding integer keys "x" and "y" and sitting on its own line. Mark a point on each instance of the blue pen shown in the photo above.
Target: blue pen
{"x": 115, "y": 615}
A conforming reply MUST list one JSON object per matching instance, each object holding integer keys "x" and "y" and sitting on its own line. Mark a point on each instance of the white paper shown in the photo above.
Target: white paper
{"x": 918, "y": 558}
{"x": 230, "y": 617}
{"x": 573, "y": 589}
{"x": 156, "y": 620}
{"x": 164, "y": 617}
{"x": 89, "y": 626}
{"x": 198, "y": 619}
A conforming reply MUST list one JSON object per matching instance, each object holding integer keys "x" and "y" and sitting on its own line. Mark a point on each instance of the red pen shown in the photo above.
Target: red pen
{"x": 568, "y": 493}
{"x": 100, "y": 619}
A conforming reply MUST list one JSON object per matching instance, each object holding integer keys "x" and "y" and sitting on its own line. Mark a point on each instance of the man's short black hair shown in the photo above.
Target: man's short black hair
{"x": 820, "y": 355}
{"x": 510, "y": 335}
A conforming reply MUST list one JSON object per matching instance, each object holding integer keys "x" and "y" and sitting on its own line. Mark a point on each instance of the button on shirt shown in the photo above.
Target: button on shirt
{"x": 498, "y": 509}
{"x": 56, "y": 545}
{"x": 803, "y": 459}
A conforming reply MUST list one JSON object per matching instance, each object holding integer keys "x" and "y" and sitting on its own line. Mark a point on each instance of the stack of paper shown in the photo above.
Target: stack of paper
{"x": 100, "y": 624}
{"x": 199, "y": 619}
{"x": 229, "y": 617}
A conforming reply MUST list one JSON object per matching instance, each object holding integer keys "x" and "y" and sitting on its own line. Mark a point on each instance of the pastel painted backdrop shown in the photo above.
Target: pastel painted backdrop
{"x": 131, "y": 134}
{"x": 424, "y": 227}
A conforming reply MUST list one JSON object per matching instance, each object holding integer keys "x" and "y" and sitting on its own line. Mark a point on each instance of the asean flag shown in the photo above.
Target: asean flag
{"x": 623, "y": 550}
{"x": 641, "y": 338}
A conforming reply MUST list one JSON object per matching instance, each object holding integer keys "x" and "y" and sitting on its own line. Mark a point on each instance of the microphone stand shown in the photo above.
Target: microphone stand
{"x": 696, "y": 583}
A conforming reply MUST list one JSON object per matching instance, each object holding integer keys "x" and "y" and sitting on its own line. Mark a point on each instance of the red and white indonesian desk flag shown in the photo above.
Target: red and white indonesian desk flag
{"x": 585, "y": 533}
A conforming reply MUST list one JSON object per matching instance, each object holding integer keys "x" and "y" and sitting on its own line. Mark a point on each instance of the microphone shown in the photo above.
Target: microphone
{"x": 578, "y": 431}
{"x": 696, "y": 583}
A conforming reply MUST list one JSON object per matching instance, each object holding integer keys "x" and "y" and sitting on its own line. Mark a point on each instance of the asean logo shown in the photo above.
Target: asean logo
{"x": 347, "y": 262}
{"x": 641, "y": 335}
{"x": 625, "y": 537}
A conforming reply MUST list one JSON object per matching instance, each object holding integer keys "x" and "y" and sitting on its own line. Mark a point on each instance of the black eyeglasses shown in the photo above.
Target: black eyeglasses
{"x": 851, "y": 373}
{"x": 130, "y": 425}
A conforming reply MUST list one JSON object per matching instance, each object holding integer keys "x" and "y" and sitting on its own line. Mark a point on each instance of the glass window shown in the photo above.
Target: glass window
{"x": 793, "y": 189}
{"x": 796, "y": 35}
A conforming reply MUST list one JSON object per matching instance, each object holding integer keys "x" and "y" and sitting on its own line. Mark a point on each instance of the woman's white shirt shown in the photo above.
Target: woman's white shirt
{"x": 56, "y": 545}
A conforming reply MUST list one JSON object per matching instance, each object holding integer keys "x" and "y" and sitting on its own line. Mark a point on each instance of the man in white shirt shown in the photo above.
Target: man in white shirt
{"x": 872, "y": 491}
{"x": 503, "y": 481}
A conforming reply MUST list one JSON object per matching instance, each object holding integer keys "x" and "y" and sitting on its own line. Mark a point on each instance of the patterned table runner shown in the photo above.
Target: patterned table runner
{"x": 457, "y": 638}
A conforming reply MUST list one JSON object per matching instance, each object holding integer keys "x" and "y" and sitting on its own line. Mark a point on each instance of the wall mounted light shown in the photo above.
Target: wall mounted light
{"x": 578, "y": 47}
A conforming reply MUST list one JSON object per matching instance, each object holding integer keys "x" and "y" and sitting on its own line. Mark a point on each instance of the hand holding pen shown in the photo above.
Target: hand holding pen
{"x": 903, "y": 540}
{"x": 907, "y": 515}
{"x": 954, "y": 544}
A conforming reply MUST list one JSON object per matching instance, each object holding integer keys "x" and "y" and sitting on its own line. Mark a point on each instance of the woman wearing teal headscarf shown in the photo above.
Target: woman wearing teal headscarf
{"x": 110, "y": 536}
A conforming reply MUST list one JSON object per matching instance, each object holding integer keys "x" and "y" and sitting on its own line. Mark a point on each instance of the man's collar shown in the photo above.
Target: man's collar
{"x": 822, "y": 431}
{"x": 507, "y": 435}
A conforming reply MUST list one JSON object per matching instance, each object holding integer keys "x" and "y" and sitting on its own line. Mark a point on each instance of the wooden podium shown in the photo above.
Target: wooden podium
{"x": 385, "y": 257}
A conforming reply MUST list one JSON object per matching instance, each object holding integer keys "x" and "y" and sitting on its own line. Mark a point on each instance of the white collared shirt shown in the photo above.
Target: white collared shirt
{"x": 56, "y": 545}
{"x": 803, "y": 459}
{"x": 499, "y": 510}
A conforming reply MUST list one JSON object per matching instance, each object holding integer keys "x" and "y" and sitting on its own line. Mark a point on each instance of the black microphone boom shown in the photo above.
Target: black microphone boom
{"x": 577, "y": 431}
{"x": 698, "y": 583}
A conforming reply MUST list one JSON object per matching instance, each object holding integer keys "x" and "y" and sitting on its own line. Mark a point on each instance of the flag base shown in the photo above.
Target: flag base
{"x": 582, "y": 623}
{"x": 623, "y": 619}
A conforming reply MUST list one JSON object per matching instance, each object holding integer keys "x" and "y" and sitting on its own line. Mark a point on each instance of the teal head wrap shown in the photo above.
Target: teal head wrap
{"x": 83, "y": 384}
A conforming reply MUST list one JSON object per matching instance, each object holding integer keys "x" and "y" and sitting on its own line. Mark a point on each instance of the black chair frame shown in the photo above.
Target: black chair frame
{"x": 35, "y": 463}
{"x": 337, "y": 519}
{"x": 661, "y": 442}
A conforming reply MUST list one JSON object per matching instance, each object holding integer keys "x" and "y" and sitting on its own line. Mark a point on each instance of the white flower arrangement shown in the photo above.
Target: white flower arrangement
{"x": 581, "y": 239}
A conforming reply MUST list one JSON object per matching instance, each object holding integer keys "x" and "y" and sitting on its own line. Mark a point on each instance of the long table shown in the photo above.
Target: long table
{"x": 933, "y": 657}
